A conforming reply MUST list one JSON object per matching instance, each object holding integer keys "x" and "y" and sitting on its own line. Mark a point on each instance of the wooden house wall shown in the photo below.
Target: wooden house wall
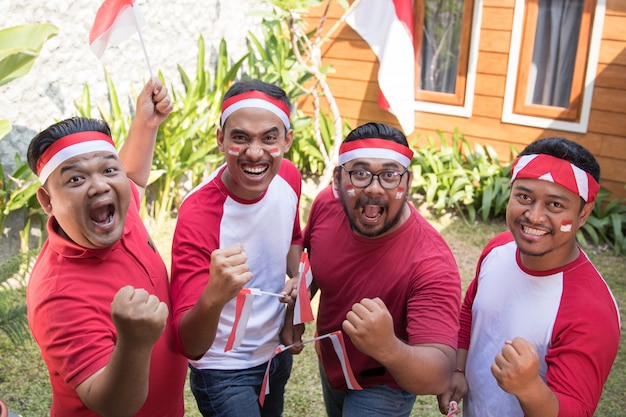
{"x": 354, "y": 85}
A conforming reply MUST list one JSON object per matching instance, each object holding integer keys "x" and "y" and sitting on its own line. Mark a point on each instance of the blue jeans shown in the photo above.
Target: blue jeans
{"x": 377, "y": 401}
{"x": 235, "y": 393}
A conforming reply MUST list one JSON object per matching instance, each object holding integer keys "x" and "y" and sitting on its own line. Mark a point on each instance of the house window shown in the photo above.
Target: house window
{"x": 554, "y": 52}
{"x": 443, "y": 29}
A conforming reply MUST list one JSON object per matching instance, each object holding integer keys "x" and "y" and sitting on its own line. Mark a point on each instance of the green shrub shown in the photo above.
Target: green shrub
{"x": 453, "y": 176}
{"x": 606, "y": 224}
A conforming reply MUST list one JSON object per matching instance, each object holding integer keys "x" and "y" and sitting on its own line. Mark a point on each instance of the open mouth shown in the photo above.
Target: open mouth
{"x": 103, "y": 216}
{"x": 371, "y": 213}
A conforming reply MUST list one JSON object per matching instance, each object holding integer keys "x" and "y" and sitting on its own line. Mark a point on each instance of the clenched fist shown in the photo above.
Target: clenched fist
{"x": 138, "y": 316}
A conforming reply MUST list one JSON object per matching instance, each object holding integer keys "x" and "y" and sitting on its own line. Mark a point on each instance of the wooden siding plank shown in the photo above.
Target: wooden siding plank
{"x": 607, "y": 122}
{"x": 610, "y": 99}
{"x": 612, "y": 52}
{"x": 616, "y": 7}
{"x": 494, "y": 41}
{"x": 490, "y": 85}
{"x": 614, "y": 146}
{"x": 494, "y": 63}
{"x": 613, "y": 28}
{"x": 499, "y": 3}
{"x": 352, "y": 70}
{"x": 611, "y": 169}
{"x": 497, "y": 18}
{"x": 611, "y": 76}
{"x": 487, "y": 106}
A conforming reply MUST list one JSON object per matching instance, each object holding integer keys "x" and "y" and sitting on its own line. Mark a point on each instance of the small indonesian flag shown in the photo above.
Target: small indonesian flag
{"x": 243, "y": 308}
{"x": 115, "y": 21}
{"x": 303, "y": 312}
{"x": 340, "y": 350}
{"x": 244, "y": 301}
{"x": 265, "y": 387}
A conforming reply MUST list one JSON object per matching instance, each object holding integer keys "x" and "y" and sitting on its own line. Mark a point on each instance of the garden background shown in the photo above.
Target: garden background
{"x": 463, "y": 190}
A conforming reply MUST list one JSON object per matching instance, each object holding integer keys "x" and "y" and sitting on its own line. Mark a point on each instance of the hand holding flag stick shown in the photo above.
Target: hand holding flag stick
{"x": 115, "y": 21}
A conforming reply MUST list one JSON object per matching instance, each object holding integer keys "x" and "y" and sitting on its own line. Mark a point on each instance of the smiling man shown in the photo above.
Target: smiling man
{"x": 387, "y": 279}
{"x": 539, "y": 326}
{"x": 239, "y": 228}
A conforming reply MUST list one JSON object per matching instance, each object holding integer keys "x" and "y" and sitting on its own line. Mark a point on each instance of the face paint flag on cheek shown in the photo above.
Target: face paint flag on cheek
{"x": 566, "y": 226}
{"x": 350, "y": 190}
{"x": 399, "y": 193}
{"x": 275, "y": 152}
{"x": 234, "y": 150}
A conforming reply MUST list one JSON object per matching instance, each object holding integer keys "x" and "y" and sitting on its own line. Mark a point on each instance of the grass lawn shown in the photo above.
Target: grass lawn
{"x": 24, "y": 383}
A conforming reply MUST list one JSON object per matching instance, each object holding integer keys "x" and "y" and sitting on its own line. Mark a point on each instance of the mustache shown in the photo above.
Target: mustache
{"x": 369, "y": 201}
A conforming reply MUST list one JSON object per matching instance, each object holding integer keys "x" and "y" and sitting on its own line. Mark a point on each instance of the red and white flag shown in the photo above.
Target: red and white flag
{"x": 116, "y": 20}
{"x": 387, "y": 27}
{"x": 303, "y": 312}
{"x": 340, "y": 350}
{"x": 243, "y": 307}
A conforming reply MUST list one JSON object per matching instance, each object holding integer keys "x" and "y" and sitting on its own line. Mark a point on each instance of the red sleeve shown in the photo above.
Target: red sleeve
{"x": 196, "y": 236}
{"x": 584, "y": 343}
{"x": 291, "y": 174}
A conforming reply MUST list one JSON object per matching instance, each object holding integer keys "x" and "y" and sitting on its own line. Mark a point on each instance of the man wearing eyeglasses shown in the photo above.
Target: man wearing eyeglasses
{"x": 387, "y": 279}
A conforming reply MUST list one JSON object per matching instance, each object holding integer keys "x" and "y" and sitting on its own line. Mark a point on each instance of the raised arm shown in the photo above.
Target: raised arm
{"x": 153, "y": 106}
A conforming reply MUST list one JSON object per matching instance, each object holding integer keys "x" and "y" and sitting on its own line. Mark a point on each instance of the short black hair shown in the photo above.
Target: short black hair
{"x": 47, "y": 137}
{"x": 377, "y": 130}
{"x": 567, "y": 150}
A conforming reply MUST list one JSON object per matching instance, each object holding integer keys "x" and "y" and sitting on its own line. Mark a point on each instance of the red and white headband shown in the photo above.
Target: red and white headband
{"x": 70, "y": 146}
{"x": 375, "y": 148}
{"x": 256, "y": 99}
{"x": 556, "y": 170}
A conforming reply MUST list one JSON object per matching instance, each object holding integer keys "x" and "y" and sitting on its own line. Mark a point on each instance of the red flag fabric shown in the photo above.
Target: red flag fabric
{"x": 243, "y": 307}
{"x": 303, "y": 313}
{"x": 340, "y": 350}
{"x": 387, "y": 27}
{"x": 115, "y": 21}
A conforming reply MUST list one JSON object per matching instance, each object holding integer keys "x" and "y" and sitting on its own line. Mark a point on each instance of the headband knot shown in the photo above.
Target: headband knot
{"x": 559, "y": 171}
{"x": 375, "y": 148}
{"x": 259, "y": 100}
{"x": 70, "y": 146}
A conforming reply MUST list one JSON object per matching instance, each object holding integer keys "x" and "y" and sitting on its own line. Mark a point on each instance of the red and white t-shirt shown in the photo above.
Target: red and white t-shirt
{"x": 212, "y": 217}
{"x": 569, "y": 314}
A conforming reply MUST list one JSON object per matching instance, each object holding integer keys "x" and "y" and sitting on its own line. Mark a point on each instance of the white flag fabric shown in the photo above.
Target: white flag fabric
{"x": 387, "y": 27}
{"x": 116, "y": 20}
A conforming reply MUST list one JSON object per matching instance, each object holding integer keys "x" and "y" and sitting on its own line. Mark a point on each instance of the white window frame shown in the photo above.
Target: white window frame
{"x": 508, "y": 116}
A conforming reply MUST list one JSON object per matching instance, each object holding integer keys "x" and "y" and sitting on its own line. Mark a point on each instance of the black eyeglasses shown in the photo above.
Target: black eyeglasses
{"x": 362, "y": 178}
